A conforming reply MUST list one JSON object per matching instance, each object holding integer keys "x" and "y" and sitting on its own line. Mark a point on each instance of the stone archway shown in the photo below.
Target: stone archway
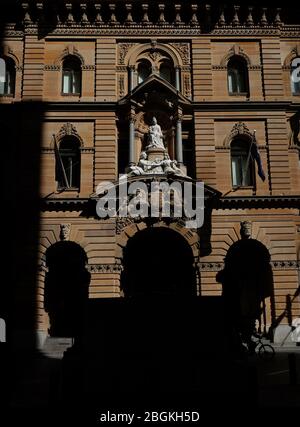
{"x": 158, "y": 262}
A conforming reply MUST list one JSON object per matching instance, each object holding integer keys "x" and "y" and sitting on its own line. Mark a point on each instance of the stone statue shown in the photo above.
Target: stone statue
{"x": 170, "y": 166}
{"x": 155, "y": 136}
{"x": 145, "y": 166}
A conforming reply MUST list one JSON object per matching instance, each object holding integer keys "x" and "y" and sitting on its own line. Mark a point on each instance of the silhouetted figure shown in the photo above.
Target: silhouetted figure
{"x": 247, "y": 280}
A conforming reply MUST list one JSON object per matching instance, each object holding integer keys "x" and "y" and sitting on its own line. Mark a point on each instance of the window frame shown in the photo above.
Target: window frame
{"x": 239, "y": 66}
{"x": 242, "y": 154}
{"x": 75, "y": 77}
{"x": 10, "y": 78}
{"x": 70, "y": 153}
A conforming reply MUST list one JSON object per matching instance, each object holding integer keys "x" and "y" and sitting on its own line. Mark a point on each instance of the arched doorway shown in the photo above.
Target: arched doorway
{"x": 158, "y": 263}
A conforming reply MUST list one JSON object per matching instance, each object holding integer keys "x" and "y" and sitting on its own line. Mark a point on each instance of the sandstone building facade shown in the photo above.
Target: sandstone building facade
{"x": 212, "y": 76}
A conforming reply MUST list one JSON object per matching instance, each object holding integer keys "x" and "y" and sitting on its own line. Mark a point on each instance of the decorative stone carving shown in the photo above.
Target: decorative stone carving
{"x": 121, "y": 85}
{"x": 70, "y": 50}
{"x": 246, "y": 229}
{"x": 65, "y": 230}
{"x": 88, "y": 67}
{"x": 104, "y": 268}
{"x": 123, "y": 50}
{"x": 235, "y": 50}
{"x": 238, "y": 129}
{"x": 68, "y": 129}
{"x": 184, "y": 51}
{"x": 52, "y": 68}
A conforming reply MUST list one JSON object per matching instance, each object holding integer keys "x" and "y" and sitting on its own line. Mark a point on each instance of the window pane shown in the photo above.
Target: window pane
{"x": 246, "y": 168}
{"x": 76, "y": 82}
{"x": 66, "y": 82}
{"x": 165, "y": 73}
{"x": 144, "y": 71}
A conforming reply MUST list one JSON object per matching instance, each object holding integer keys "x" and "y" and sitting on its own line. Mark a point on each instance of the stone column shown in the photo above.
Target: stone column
{"x": 177, "y": 78}
{"x": 131, "y": 137}
{"x": 179, "y": 151}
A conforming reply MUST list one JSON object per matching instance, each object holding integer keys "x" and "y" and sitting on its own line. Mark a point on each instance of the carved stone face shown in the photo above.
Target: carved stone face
{"x": 154, "y": 121}
{"x": 246, "y": 229}
{"x": 65, "y": 230}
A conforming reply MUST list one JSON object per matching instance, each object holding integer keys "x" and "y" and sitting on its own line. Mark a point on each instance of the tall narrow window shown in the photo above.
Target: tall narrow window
{"x": 8, "y": 77}
{"x": 71, "y": 76}
{"x": 241, "y": 164}
{"x": 295, "y": 76}
{"x": 68, "y": 174}
{"x": 144, "y": 70}
{"x": 166, "y": 72}
{"x": 238, "y": 81}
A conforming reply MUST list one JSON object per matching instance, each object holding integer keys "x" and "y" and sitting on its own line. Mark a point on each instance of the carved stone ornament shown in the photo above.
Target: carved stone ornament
{"x": 68, "y": 129}
{"x": 246, "y": 229}
{"x": 123, "y": 50}
{"x": 184, "y": 51}
{"x": 238, "y": 129}
{"x": 65, "y": 230}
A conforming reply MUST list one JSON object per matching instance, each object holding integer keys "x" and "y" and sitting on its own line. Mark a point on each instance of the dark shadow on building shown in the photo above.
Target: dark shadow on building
{"x": 66, "y": 288}
{"x": 247, "y": 279}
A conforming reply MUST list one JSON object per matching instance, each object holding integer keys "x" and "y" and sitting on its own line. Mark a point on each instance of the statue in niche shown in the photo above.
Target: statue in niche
{"x": 155, "y": 136}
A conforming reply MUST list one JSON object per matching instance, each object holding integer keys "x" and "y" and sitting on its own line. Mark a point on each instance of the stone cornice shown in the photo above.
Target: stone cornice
{"x": 154, "y": 30}
{"x": 234, "y": 202}
{"x": 258, "y": 202}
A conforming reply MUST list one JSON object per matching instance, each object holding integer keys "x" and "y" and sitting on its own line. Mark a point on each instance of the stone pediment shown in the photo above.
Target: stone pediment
{"x": 156, "y": 90}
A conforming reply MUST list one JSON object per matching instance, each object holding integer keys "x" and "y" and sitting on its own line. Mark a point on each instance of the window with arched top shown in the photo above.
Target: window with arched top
{"x": 166, "y": 71}
{"x": 71, "y": 76}
{"x": 144, "y": 70}
{"x": 295, "y": 76}
{"x": 241, "y": 164}
{"x": 7, "y": 77}
{"x": 68, "y": 163}
{"x": 237, "y": 76}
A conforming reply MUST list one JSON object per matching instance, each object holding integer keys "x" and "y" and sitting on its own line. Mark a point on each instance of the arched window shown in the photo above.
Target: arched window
{"x": 68, "y": 163}
{"x": 241, "y": 164}
{"x": 8, "y": 77}
{"x": 238, "y": 81}
{"x": 166, "y": 71}
{"x": 144, "y": 70}
{"x": 295, "y": 76}
{"x": 71, "y": 76}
